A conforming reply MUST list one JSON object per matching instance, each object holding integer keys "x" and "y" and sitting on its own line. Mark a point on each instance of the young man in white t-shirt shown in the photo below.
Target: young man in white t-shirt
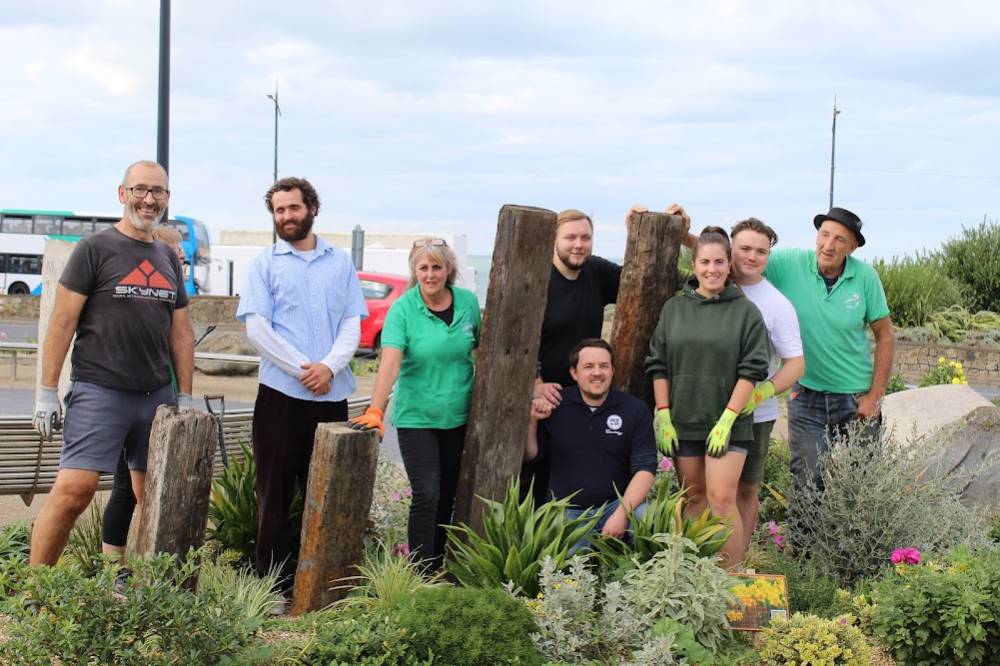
{"x": 752, "y": 241}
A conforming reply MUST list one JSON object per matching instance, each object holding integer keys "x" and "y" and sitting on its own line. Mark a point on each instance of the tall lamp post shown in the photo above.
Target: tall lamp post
{"x": 833, "y": 146}
{"x": 277, "y": 113}
{"x": 163, "y": 94}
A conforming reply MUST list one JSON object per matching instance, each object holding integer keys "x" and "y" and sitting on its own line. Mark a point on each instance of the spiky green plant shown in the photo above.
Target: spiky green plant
{"x": 517, "y": 536}
{"x": 383, "y": 579}
{"x": 15, "y": 541}
{"x": 84, "y": 545}
{"x": 664, "y": 514}
{"x": 232, "y": 509}
{"x": 242, "y": 586}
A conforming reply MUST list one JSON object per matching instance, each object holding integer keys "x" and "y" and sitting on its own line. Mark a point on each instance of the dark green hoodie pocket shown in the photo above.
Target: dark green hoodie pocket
{"x": 697, "y": 400}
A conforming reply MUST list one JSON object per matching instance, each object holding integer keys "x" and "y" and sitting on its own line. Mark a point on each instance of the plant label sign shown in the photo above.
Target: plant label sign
{"x": 760, "y": 598}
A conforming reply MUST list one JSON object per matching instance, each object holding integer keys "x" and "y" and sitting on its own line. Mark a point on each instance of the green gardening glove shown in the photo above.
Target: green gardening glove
{"x": 718, "y": 440}
{"x": 666, "y": 433}
{"x": 763, "y": 391}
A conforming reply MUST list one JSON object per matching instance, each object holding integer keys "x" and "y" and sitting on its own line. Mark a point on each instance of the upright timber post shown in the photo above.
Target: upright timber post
{"x": 649, "y": 278}
{"x": 335, "y": 513}
{"x": 507, "y": 358}
{"x": 178, "y": 482}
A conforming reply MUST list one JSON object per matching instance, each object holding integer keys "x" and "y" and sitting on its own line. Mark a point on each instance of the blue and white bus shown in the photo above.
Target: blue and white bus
{"x": 22, "y": 243}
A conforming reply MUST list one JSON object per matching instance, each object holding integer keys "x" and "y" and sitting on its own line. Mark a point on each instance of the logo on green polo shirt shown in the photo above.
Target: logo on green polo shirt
{"x": 852, "y": 301}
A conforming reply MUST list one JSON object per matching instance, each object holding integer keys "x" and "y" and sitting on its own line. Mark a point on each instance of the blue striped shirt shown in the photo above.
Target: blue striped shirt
{"x": 306, "y": 296}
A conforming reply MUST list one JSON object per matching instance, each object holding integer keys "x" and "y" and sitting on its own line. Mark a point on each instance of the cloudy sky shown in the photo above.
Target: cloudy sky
{"x": 425, "y": 115}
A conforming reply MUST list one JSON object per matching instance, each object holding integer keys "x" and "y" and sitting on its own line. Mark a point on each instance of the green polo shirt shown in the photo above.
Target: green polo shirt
{"x": 834, "y": 325}
{"x": 435, "y": 378}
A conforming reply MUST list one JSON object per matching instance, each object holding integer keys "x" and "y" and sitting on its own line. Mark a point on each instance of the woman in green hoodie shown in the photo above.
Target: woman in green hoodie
{"x": 706, "y": 355}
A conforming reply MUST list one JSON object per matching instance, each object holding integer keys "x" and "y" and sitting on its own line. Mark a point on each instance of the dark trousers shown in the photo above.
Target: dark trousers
{"x": 283, "y": 431}
{"x": 432, "y": 458}
{"x": 120, "y": 507}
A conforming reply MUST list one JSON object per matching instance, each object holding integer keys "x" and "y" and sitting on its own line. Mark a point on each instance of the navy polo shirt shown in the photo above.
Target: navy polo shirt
{"x": 596, "y": 452}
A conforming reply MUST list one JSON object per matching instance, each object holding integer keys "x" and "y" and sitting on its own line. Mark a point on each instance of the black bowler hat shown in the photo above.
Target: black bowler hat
{"x": 846, "y": 218}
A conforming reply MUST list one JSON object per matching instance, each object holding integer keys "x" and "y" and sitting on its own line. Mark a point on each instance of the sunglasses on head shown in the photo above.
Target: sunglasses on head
{"x": 434, "y": 242}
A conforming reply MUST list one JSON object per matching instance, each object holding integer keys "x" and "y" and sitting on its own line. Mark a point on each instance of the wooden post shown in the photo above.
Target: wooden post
{"x": 507, "y": 357}
{"x": 178, "y": 482}
{"x": 648, "y": 280}
{"x": 335, "y": 513}
{"x": 54, "y": 260}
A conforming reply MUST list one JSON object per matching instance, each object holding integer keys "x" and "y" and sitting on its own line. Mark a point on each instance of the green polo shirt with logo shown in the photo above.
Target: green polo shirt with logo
{"x": 834, "y": 325}
{"x": 435, "y": 378}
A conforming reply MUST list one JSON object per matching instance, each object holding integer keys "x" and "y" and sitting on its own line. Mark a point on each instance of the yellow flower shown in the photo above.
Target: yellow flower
{"x": 942, "y": 360}
{"x": 956, "y": 380}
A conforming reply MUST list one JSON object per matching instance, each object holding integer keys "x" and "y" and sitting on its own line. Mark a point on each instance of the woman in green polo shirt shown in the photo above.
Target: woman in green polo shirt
{"x": 427, "y": 345}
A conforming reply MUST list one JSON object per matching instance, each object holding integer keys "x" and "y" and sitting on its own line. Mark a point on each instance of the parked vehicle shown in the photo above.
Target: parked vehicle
{"x": 380, "y": 290}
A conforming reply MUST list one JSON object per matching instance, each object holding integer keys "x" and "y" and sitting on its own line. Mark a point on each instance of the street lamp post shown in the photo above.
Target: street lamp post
{"x": 833, "y": 146}
{"x": 277, "y": 113}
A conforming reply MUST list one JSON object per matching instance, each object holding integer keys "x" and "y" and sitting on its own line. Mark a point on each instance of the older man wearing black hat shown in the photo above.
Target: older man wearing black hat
{"x": 837, "y": 298}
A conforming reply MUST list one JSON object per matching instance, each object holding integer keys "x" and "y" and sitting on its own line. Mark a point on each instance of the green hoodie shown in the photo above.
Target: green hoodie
{"x": 702, "y": 346}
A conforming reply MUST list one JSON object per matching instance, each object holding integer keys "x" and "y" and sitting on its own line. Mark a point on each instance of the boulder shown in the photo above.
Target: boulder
{"x": 909, "y": 415}
{"x": 227, "y": 342}
{"x": 958, "y": 432}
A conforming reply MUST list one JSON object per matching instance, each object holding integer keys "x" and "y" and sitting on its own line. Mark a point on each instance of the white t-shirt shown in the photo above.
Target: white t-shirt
{"x": 782, "y": 330}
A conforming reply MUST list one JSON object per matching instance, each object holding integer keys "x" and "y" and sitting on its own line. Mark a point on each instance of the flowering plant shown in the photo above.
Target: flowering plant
{"x": 776, "y": 536}
{"x": 945, "y": 372}
{"x": 905, "y": 556}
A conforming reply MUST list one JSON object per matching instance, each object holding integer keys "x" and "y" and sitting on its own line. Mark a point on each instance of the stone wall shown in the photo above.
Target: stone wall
{"x": 204, "y": 310}
{"x": 981, "y": 364}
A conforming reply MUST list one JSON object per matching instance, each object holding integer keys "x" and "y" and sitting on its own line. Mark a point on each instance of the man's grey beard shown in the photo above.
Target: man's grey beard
{"x": 140, "y": 224}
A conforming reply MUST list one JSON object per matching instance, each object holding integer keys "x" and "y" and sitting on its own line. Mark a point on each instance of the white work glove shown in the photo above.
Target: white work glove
{"x": 48, "y": 411}
{"x": 185, "y": 401}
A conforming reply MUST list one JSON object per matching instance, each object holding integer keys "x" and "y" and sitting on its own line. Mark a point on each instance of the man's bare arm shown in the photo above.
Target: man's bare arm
{"x": 182, "y": 349}
{"x": 59, "y": 335}
{"x": 870, "y": 403}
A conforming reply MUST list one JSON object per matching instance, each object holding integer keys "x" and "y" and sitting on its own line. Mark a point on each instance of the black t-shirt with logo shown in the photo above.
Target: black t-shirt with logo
{"x": 132, "y": 289}
{"x": 575, "y": 311}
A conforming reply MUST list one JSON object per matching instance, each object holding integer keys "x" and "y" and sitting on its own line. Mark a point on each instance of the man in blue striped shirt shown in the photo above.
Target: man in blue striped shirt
{"x": 302, "y": 306}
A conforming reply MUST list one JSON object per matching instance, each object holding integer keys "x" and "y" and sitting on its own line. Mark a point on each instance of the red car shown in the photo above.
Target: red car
{"x": 380, "y": 290}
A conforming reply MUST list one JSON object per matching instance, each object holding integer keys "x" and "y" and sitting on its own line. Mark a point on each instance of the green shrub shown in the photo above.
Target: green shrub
{"x": 945, "y": 372}
{"x": 664, "y": 514}
{"x": 896, "y": 384}
{"x": 776, "y": 483}
{"x": 973, "y": 260}
{"x": 368, "y": 639}
{"x": 995, "y": 523}
{"x": 383, "y": 579}
{"x": 942, "y": 614}
{"x": 807, "y": 639}
{"x": 253, "y": 595}
{"x": 915, "y": 287}
{"x": 516, "y": 538}
{"x": 466, "y": 626}
{"x": 877, "y": 497}
{"x": 15, "y": 541}
{"x": 61, "y": 614}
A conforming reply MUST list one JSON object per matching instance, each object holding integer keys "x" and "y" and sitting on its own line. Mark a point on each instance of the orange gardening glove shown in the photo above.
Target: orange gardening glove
{"x": 371, "y": 419}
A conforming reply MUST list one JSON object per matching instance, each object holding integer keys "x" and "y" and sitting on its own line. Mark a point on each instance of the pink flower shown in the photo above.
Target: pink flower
{"x": 396, "y": 496}
{"x": 666, "y": 464}
{"x": 776, "y": 536}
{"x": 905, "y": 556}
{"x": 408, "y": 493}
{"x": 401, "y": 549}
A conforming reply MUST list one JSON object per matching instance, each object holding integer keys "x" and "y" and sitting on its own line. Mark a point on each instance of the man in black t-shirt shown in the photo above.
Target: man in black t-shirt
{"x": 599, "y": 441}
{"x": 122, "y": 295}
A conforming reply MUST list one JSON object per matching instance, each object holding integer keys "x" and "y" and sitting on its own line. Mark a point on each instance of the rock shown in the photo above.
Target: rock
{"x": 909, "y": 415}
{"x": 227, "y": 342}
{"x": 957, "y": 431}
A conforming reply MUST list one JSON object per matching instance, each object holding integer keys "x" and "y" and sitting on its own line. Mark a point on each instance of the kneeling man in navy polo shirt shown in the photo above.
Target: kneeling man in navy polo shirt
{"x": 599, "y": 441}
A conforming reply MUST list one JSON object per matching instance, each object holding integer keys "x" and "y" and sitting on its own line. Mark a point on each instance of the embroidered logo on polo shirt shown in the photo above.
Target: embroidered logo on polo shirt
{"x": 614, "y": 424}
{"x": 146, "y": 283}
{"x": 852, "y": 301}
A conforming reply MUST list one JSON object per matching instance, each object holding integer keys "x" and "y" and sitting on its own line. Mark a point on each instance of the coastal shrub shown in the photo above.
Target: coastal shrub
{"x": 383, "y": 578}
{"x": 774, "y": 486}
{"x": 84, "y": 545}
{"x": 807, "y": 639}
{"x": 253, "y": 595}
{"x": 61, "y": 614}
{"x": 915, "y": 287}
{"x": 517, "y": 537}
{"x": 896, "y": 384}
{"x": 353, "y": 637}
{"x": 466, "y": 626}
{"x": 876, "y": 496}
{"x": 973, "y": 260}
{"x": 942, "y": 612}
{"x": 15, "y": 541}
{"x": 664, "y": 514}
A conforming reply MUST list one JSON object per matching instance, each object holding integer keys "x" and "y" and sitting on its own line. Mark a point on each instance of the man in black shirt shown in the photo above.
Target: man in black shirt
{"x": 599, "y": 441}
{"x": 122, "y": 294}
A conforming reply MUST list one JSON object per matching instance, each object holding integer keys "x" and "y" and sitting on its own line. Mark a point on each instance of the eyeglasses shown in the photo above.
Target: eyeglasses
{"x": 140, "y": 191}
{"x": 434, "y": 242}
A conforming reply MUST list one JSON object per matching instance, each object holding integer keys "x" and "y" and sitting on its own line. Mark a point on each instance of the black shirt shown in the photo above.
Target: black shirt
{"x": 574, "y": 310}
{"x": 447, "y": 315}
{"x": 596, "y": 451}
